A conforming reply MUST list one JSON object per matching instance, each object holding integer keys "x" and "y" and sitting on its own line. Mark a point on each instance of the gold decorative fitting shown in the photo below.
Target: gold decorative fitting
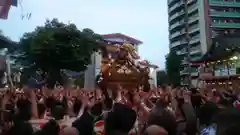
{"x": 124, "y": 69}
{"x": 120, "y": 71}
{"x": 128, "y": 71}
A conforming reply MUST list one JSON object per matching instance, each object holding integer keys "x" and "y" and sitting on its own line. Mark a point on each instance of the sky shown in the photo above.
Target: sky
{"x": 145, "y": 20}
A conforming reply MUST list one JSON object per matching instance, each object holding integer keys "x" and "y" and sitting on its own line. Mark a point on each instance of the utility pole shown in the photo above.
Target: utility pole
{"x": 187, "y": 37}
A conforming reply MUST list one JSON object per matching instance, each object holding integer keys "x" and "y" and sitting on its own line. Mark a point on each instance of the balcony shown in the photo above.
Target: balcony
{"x": 174, "y": 16}
{"x": 182, "y": 52}
{"x": 214, "y": 34}
{"x": 225, "y": 14}
{"x": 177, "y": 43}
{"x": 223, "y": 3}
{"x": 194, "y": 40}
{"x": 178, "y": 33}
{"x": 170, "y": 1}
{"x": 193, "y": 71}
{"x": 175, "y": 6}
{"x": 190, "y": 1}
{"x": 193, "y": 28}
{"x": 192, "y": 8}
{"x": 225, "y": 25}
{"x": 173, "y": 26}
{"x": 175, "y": 34}
{"x": 181, "y": 12}
{"x": 196, "y": 58}
{"x": 194, "y": 74}
{"x": 184, "y": 83}
{"x": 193, "y": 19}
{"x": 184, "y": 62}
{"x": 184, "y": 72}
{"x": 195, "y": 50}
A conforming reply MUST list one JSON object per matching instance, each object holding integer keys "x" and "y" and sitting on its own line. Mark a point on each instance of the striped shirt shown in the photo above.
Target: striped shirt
{"x": 210, "y": 130}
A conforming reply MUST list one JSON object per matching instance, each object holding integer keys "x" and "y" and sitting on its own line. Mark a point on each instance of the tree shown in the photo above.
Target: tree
{"x": 173, "y": 63}
{"x": 57, "y": 46}
{"x": 162, "y": 78}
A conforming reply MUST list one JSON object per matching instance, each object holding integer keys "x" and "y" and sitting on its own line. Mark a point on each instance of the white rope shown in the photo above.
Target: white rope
{"x": 26, "y": 15}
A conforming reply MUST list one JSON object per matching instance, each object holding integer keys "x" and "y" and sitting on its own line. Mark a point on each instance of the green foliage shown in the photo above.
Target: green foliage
{"x": 173, "y": 63}
{"x": 162, "y": 78}
{"x": 56, "y": 46}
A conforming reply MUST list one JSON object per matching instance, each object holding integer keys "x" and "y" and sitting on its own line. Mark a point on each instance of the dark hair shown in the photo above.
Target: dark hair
{"x": 117, "y": 133}
{"x": 165, "y": 119}
{"x": 21, "y": 128}
{"x": 228, "y": 122}
{"x": 84, "y": 124}
{"x": 77, "y": 104}
{"x": 97, "y": 109}
{"x": 50, "y": 102}
{"x": 194, "y": 90}
{"x": 58, "y": 112}
{"x": 108, "y": 103}
{"x": 207, "y": 113}
{"x": 50, "y": 128}
{"x": 41, "y": 109}
{"x": 24, "y": 110}
{"x": 121, "y": 119}
{"x": 225, "y": 102}
{"x": 7, "y": 116}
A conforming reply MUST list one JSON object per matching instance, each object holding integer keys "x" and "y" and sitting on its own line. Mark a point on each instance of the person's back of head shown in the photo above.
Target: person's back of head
{"x": 41, "y": 109}
{"x": 77, "y": 104}
{"x": 50, "y": 128}
{"x": 155, "y": 130}
{"x": 84, "y": 124}
{"x": 58, "y": 112}
{"x": 228, "y": 122}
{"x": 163, "y": 118}
{"x": 69, "y": 131}
{"x": 24, "y": 110}
{"x": 117, "y": 133}
{"x": 207, "y": 113}
{"x": 21, "y": 128}
{"x": 50, "y": 102}
{"x": 96, "y": 110}
{"x": 120, "y": 120}
{"x": 108, "y": 103}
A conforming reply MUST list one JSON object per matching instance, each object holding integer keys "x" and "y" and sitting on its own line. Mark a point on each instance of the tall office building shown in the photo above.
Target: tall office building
{"x": 193, "y": 24}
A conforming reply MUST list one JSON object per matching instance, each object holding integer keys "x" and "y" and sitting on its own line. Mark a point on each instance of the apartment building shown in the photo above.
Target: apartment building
{"x": 193, "y": 24}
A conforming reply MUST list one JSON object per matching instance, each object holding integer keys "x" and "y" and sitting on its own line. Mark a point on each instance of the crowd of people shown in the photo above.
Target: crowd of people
{"x": 160, "y": 111}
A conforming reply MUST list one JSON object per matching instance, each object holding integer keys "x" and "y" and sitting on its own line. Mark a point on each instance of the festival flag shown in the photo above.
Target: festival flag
{"x": 4, "y": 8}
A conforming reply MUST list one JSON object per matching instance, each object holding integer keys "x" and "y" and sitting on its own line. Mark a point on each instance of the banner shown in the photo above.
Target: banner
{"x": 4, "y": 8}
